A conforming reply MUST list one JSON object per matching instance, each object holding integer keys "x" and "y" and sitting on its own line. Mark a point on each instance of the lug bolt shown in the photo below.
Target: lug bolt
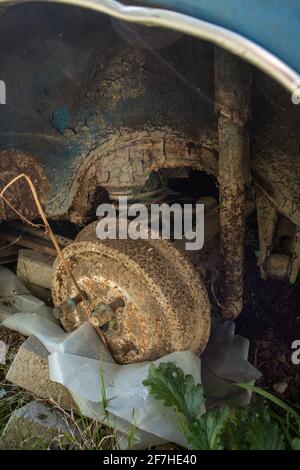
{"x": 104, "y": 316}
{"x": 70, "y": 304}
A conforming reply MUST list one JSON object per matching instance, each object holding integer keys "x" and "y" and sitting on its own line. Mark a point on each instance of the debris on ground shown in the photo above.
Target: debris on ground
{"x": 54, "y": 361}
{"x": 101, "y": 388}
{"x": 270, "y": 320}
{"x": 37, "y": 425}
{"x": 29, "y": 370}
{"x": 19, "y": 234}
{"x": 280, "y": 387}
{"x": 35, "y": 268}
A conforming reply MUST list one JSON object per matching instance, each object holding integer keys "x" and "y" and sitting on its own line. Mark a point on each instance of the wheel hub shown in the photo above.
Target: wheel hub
{"x": 162, "y": 304}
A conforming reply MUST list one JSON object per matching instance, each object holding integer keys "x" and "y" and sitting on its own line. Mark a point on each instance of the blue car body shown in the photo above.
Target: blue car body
{"x": 52, "y": 51}
{"x": 272, "y": 24}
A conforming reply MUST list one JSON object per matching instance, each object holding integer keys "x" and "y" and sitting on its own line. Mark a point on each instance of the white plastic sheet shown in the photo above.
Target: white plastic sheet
{"x": 79, "y": 361}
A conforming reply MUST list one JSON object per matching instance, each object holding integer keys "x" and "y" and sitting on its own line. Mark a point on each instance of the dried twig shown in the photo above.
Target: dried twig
{"x": 52, "y": 237}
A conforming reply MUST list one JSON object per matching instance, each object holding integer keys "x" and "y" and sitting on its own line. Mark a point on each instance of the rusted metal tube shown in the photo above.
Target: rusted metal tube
{"x": 232, "y": 97}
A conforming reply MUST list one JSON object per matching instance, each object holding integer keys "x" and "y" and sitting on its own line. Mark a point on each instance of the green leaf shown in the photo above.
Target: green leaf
{"x": 263, "y": 433}
{"x": 220, "y": 428}
{"x": 296, "y": 443}
{"x": 207, "y": 433}
{"x": 234, "y": 432}
{"x": 178, "y": 391}
{"x": 269, "y": 396}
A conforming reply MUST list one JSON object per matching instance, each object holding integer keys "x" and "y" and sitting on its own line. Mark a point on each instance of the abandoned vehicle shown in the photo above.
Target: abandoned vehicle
{"x": 158, "y": 104}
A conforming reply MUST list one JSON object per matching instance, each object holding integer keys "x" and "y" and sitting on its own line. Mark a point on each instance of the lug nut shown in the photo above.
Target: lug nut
{"x": 104, "y": 316}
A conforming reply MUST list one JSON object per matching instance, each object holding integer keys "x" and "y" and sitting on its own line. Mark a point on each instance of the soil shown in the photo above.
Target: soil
{"x": 271, "y": 321}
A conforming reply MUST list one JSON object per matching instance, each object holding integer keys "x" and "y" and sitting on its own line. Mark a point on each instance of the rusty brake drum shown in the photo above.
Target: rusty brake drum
{"x": 164, "y": 303}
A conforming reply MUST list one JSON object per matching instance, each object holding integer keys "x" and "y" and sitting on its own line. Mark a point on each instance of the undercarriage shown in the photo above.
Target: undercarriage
{"x": 99, "y": 109}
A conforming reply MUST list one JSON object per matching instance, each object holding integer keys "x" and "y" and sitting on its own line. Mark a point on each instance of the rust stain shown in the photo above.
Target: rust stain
{"x": 126, "y": 160}
{"x": 233, "y": 83}
{"x": 13, "y": 163}
{"x": 166, "y": 304}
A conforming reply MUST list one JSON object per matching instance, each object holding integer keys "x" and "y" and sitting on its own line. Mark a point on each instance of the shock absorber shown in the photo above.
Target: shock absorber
{"x": 232, "y": 100}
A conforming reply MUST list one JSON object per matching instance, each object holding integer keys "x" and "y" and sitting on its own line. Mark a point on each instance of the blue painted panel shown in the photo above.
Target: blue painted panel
{"x": 273, "y": 24}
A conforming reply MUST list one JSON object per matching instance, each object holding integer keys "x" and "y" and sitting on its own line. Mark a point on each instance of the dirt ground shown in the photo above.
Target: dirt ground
{"x": 271, "y": 321}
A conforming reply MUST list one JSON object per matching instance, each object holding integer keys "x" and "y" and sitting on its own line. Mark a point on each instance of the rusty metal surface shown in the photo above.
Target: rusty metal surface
{"x": 125, "y": 162}
{"x": 115, "y": 112}
{"x": 267, "y": 219}
{"x": 278, "y": 242}
{"x": 98, "y": 113}
{"x": 279, "y": 266}
{"x": 166, "y": 304}
{"x": 276, "y": 174}
{"x": 275, "y": 158}
{"x": 233, "y": 79}
{"x": 12, "y": 163}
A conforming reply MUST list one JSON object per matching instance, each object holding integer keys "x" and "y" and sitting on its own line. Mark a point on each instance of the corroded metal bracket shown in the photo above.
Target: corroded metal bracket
{"x": 272, "y": 226}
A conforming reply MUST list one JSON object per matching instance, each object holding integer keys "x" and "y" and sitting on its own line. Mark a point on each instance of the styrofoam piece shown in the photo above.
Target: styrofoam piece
{"x": 79, "y": 361}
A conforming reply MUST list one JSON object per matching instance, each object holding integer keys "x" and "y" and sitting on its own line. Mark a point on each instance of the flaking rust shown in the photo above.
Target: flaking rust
{"x": 165, "y": 304}
{"x": 126, "y": 160}
{"x": 14, "y": 163}
{"x": 232, "y": 82}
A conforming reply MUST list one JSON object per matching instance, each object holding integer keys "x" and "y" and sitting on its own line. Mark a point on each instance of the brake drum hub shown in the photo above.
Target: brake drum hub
{"x": 162, "y": 304}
